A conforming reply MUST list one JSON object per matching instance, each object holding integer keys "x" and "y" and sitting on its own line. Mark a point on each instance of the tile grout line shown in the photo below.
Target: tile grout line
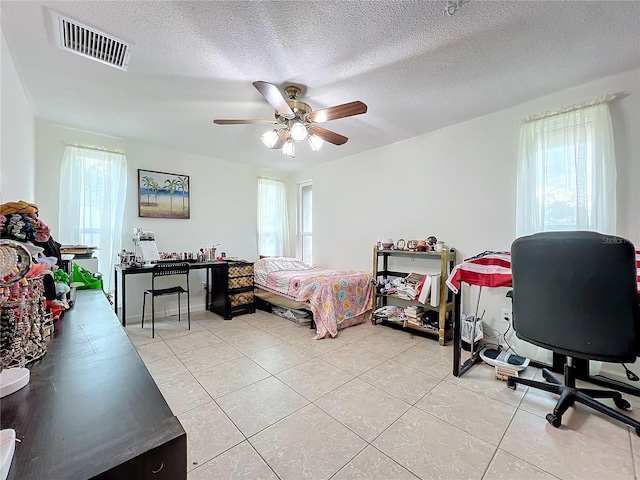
{"x": 505, "y": 432}
{"x": 367, "y": 443}
{"x": 515, "y": 410}
{"x": 633, "y": 458}
{"x": 310, "y": 402}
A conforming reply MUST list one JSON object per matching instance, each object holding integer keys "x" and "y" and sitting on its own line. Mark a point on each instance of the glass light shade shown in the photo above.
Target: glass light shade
{"x": 270, "y": 138}
{"x": 289, "y": 148}
{"x": 315, "y": 142}
{"x": 298, "y": 131}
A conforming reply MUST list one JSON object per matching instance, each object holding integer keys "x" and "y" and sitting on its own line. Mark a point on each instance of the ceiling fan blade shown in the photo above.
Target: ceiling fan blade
{"x": 244, "y": 122}
{"x": 339, "y": 111}
{"x": 272, "y": 94}
{"x": 328, "y": 135}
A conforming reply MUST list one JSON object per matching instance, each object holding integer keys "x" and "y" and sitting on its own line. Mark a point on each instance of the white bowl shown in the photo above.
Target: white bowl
{"x": 386, "y": 242}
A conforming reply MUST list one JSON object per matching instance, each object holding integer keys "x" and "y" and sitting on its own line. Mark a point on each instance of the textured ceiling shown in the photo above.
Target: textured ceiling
{"x": 416, "y": 69}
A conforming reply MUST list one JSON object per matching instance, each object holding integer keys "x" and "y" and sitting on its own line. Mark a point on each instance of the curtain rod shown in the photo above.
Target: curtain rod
{"x": 119, "y": 152}
{"x": 270, "y": 178}
{"x": 572, "y": 108}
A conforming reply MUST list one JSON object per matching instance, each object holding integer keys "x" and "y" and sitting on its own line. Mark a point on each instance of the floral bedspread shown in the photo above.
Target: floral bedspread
{"x": 333, "y": 295}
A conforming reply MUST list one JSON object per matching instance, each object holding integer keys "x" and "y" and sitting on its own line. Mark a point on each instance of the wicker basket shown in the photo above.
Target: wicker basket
{"x": 241, "y": 298}
{"x": 241, "y": 271}
{"x": 239, "y": 282}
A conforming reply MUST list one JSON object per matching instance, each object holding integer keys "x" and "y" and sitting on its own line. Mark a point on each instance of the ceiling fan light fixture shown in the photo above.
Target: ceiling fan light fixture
{"x": 298, "y": 131}
{"x": 270, "y": 138}
{"x": 289, "y": 148}
{"x": 296, "y": 121}
{"x": 315, "y": 142}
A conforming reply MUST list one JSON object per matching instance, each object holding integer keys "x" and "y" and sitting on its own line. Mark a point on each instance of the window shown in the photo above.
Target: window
{"x": 272, "y": 218}
{"x": 93, "y": 186}
{"x": 567, "y": 172}
{"x": 305, "y": 222}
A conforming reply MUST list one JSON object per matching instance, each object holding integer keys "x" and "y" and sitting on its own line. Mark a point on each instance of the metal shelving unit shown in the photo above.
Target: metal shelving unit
{"x": 447, "y": 305}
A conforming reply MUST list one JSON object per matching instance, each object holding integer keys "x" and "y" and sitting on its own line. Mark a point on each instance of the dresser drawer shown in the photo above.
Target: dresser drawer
{"x": 241, "y": 271}
{"x": 241, "y": 298}
{"x": 239, "y": 282}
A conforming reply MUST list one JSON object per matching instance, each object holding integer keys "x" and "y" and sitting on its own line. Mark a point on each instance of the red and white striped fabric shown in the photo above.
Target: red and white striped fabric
{"x": 638, "y": 270}
{"x": 493, "y": 269}
{"x": 489, "y": 269}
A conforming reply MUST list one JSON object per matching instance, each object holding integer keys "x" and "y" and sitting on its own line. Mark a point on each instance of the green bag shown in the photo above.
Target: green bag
{"x": 83, "y": 279}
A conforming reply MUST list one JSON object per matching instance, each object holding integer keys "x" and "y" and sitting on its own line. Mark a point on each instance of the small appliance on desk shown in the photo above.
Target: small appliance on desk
{"x": 146, "y": 242}
{"x": 127, "y": 258}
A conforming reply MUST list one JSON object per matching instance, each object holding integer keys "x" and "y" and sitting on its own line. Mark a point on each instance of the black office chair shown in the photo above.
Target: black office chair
{"x": 162, "y": 270}
{"x": 575, "y": 293}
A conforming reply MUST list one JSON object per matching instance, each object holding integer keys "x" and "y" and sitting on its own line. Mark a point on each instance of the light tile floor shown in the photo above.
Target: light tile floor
{"x": 260, "y": 399}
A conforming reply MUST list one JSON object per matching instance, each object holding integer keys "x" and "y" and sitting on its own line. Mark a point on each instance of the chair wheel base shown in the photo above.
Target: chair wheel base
{"x": 622, "y": 404}
{"x": 554, "y": 420}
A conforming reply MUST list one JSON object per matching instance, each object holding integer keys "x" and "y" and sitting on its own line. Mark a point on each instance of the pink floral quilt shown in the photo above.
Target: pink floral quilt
{"x": 333, "y": 295}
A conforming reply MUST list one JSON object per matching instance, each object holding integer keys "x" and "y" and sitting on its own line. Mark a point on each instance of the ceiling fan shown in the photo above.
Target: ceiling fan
{"x": 297, "y": 121}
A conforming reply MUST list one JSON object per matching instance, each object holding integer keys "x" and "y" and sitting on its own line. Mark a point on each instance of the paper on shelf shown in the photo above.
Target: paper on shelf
{"x": 435, "y": 290}
{"x": 425, "y": 289}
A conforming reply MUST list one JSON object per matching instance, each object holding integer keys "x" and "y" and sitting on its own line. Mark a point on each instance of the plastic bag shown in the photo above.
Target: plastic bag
{"x": 467, "y": 331}
{"x": 83, "y": 279}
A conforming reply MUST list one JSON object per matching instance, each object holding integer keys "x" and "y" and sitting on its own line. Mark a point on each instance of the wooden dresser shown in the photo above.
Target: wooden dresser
{"x": 231, "y": 291}
{"x": 91, "y": 409}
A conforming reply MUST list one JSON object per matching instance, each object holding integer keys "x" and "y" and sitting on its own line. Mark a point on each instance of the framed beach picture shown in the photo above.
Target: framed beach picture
{"x": 163, "y": 195}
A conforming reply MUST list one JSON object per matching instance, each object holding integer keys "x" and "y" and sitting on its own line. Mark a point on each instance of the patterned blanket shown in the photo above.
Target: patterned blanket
{"x": 333, "y": 295}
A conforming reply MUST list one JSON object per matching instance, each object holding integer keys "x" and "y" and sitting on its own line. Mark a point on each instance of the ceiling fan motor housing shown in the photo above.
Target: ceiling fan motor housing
{"x": 300, "y": 109}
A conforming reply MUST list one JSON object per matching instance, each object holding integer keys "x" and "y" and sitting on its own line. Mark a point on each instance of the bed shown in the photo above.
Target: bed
{"x": 336, "y": 298}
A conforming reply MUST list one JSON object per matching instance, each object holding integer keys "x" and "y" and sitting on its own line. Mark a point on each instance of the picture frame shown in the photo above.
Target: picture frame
{"x": 163, "y": 195}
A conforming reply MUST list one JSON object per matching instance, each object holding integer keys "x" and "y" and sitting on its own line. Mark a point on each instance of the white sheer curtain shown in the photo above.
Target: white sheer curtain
{"x": 93, "y": 187}
{"x": 273, "y": 225}
{"x": 566, "y": 178}
{"x": 567, "y": 171}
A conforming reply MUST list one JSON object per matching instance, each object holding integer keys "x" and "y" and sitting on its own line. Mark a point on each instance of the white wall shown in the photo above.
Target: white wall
{"x": 223, "y": 201}
{"x": 459, "y": 184}
{"x": 17, "y": 127}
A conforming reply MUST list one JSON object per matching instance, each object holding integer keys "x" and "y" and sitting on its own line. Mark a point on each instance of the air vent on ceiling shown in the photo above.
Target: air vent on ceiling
{"x": 91, "y": 43}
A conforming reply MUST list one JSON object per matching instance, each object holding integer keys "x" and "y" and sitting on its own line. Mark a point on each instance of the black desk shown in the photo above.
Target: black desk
{"x": 125, "y": 271}
{"x": 91, "y": 408}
